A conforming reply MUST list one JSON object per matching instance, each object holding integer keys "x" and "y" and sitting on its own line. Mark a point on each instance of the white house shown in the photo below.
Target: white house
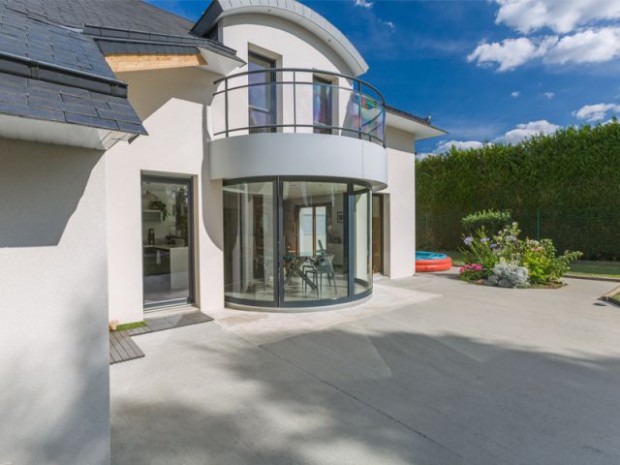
{"x": 149, "y": 163}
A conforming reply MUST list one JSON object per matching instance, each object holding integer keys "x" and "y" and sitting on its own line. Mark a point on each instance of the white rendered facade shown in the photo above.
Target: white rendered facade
{"x": 183, "y": 119}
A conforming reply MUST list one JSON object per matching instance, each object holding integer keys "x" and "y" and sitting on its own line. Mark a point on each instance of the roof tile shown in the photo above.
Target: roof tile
{"x": 91, "y": 121}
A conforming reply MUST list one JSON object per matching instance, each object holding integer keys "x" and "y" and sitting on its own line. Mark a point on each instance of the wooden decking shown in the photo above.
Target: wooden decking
{"x": 122, "y": 346}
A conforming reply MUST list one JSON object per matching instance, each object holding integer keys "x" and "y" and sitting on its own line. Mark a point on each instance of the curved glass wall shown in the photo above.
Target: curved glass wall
{"x": 297, "y": 243}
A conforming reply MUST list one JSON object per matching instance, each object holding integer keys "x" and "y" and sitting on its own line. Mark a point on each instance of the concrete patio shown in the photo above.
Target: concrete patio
{"x": 430, "y": 371}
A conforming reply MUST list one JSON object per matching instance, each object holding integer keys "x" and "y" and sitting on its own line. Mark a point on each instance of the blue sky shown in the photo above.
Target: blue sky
{"x": 487, "y": 70}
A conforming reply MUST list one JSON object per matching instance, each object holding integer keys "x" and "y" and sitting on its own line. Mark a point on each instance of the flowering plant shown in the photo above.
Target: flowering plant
{"x": 534, "y": 261}
{"x": 472, "y": 272}
{"x": 478, "y": 250}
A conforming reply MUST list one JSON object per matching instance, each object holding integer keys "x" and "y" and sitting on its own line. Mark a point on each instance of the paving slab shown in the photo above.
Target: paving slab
{"x": 446, "y": 373}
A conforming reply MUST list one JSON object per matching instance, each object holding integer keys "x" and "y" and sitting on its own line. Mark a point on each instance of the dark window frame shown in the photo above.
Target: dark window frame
{"x": 188, "y": 181}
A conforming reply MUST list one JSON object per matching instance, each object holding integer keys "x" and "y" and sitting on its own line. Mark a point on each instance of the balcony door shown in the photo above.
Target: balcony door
{"x": 262, "y": 105}
{"x": 167, "y": 242}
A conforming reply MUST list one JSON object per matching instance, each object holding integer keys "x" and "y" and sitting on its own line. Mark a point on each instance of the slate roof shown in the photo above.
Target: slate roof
{"x": 122, "y": 14}
{"x": 52, "y": 65}
{"x": 40, "y": 41}
{"x": 114, "y": 40}
{"x": 49, "y": 72}
{"x": 37, "y": 99}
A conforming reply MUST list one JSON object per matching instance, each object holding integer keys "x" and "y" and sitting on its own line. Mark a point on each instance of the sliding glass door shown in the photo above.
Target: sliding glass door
{"x": 167, "y": 242}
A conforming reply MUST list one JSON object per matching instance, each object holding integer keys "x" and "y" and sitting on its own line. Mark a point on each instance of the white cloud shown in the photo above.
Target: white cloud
{"x": 510, "y": 53}
{"x": 364, "y": 3}
{"x": 549, "y": 95}
{"x": 589, "y": 46}
{"x": 596, "y": 112}
{"x": 423, "y": 155}
{"x": 515, "y": 94}
{"x": 527, "y": 130}
{"x": 585, "y": 31}
{"x": 514, "y": 136}
{"x": 444, "y": 147}
{"x": 561, "y": 16}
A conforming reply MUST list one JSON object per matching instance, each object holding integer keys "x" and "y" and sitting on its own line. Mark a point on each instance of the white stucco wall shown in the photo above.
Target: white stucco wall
{"x": 173, "y": 103}
{"x": 399, "y": 207}
{"x": 317, "y": 155}
{"x": 297, "y": 47}
{"x": 182, "y": 116}
{"x": 290, "y": 46}
{"x": 54, "y": 400}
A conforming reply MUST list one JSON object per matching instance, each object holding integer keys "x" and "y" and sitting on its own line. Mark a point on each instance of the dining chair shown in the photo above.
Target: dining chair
{"x": 324, "y": 267}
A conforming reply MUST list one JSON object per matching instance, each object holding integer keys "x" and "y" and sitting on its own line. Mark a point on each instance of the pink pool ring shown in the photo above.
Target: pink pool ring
{"x": 427, "y": 262}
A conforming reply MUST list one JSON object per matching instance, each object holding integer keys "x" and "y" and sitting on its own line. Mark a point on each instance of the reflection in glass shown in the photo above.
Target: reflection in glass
{"x": 362, "y": 236}
{"x": 166, "y": 242}
{"x": 315, "y": 258}
{"x": 261, "y": 93}
{"x": 372, "y": 114}
{"x": 364, "y": 118}
{"x": 249, "y": 239}
{"x": 322, "y": 105}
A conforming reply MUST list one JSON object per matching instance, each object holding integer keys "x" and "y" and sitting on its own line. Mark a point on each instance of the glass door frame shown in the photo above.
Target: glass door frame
{"x": 191, "y": 298}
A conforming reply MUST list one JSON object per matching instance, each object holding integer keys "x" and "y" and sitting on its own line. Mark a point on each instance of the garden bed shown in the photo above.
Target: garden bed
{"x": 495, "y": 255}
{"x": 482, "y": 282}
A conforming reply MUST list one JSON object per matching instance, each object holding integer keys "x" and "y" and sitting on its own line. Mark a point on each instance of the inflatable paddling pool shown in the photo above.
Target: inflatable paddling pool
{"x": 431, "y": 261}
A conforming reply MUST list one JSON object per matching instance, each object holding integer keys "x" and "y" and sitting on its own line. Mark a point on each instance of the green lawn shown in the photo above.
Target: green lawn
{"x": 616, "y": 298}
{"x": 578, "y": 268}
{"x": 592, "y": 268}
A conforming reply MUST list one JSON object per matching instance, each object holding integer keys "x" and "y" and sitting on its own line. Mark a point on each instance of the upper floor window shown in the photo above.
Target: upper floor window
{"x": 322, "y": 105}
{"x": 262, "y": 94}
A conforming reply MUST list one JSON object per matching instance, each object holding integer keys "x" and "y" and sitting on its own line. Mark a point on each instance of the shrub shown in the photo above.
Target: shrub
{"x": 564, "y": 186}
{"x": 498, "y": 256}
{"x": 506, "y": 274}
{"x": 472, "y": 272}
{"x": 545, "y": 267}
{"x": 491, "y": 220}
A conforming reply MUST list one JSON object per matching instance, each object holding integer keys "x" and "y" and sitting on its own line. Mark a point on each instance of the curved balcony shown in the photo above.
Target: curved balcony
{"x": 299, "y": 101}
{"x": 298, "y": 122}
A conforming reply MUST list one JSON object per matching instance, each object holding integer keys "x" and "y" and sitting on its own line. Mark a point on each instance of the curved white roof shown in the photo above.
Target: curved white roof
{"x": 294, "y": 12}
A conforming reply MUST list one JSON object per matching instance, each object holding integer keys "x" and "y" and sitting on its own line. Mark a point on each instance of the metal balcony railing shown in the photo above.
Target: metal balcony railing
{"x": 299, "y": 100}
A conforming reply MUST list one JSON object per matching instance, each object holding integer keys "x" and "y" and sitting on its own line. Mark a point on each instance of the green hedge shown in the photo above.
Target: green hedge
{"x": 565, "y": 186}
